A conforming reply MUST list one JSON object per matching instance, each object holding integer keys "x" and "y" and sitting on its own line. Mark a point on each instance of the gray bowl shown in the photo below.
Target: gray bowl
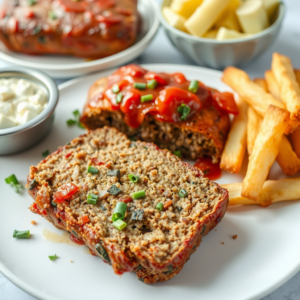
{"x": 22, "y": 137}
{"x": 220, "y": 54}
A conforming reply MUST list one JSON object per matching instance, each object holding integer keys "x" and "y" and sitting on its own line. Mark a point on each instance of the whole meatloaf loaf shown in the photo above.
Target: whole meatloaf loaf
{"x": 90, "y": 29}
{"x": 169, "y": 205}
{"x": 165, "y": 109}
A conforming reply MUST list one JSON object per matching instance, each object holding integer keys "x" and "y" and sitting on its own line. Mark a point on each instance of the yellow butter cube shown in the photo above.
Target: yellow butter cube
{"x": 174, "y": 19}
{"x": 228, "y": 34}
{"x": 211, "y": 34}
{"x": 252, "y": 16}
{"x": 228, "y": 19}
{"x": 185, "y": 8}
{"x": 205, "y": 16}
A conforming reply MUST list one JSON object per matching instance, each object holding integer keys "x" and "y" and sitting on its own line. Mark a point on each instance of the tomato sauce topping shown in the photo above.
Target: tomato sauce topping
{"x": 170, "y": 93}
{"x": 210, "y": 170}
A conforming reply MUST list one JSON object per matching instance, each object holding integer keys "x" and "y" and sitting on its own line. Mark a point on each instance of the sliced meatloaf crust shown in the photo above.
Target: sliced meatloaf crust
{"x": 155, "y": 244}
{"x": 201, "y": 134}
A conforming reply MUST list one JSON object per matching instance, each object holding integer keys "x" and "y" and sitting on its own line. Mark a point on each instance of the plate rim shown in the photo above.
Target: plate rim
{"x": 90, "y": 64}
{"x": 183, "y": 68}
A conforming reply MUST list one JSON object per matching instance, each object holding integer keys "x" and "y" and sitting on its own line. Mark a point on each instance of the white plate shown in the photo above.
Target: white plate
{"x": 68, "y": 66}
{"x": 264, "y": 256}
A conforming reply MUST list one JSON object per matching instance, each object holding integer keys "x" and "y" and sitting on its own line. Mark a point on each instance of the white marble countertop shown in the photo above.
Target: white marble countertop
{"x": 288, "y": 43}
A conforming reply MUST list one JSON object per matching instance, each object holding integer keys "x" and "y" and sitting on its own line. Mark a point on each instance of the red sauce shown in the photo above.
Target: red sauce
{"x": 74, "y": 6}
{"x": 34, "y": 208}
{"x": 210, "y": 170}
{"x": 76, "y": 240}
{"x": 170, "y": 93}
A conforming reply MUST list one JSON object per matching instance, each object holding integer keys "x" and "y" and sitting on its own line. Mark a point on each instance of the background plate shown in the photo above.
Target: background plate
{"x": 264, "y": 256}
{"x": 67, "y": 66}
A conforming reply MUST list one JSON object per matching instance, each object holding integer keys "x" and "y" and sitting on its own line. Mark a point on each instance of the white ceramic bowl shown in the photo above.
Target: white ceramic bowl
{"x": 62, "y": 66}
{"x": 220, "y": 54}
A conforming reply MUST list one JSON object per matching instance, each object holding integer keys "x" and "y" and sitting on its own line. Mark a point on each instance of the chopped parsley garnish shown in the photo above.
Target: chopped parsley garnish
{"x": 184, "y": 110}
{"x": 46, "y": 153}
{"x": 13, "y": 181}
{"x": 76, "y": 120}
{"x": 53, "y": 257}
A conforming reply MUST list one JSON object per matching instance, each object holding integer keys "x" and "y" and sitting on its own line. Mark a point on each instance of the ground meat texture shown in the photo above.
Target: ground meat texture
{"x": 203, "y": 135}
{"x": 89, "y": 29}
{"x": 155, "y": 244}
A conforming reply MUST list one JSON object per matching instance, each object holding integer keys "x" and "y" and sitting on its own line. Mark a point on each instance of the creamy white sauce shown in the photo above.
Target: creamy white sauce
{"x": 20, "y": 101}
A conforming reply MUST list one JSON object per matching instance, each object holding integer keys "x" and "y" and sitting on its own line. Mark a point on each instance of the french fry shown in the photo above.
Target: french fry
{"x": 235, "y": 147}
{"x": 265, "y": 150}
{"x": 253, "y": 126}
{"x": 272, "y": 84}
{"x": 287, "y": 158}
{"x": 253, "y": 94}
{"x": 262, "y": 83}
{"x": 295, "y": 138}
{"x": 273, "y": 191}
{"x": 289, "y": 89}
{"x": 297, "y": 74}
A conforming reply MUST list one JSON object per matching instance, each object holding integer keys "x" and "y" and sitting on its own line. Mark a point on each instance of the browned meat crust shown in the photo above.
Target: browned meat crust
{"x": 203, "y": 135}
{"x": 158, "y": 243}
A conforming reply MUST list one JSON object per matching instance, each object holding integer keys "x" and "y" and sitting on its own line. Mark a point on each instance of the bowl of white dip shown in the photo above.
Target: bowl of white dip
{"x": 27, "y": 102}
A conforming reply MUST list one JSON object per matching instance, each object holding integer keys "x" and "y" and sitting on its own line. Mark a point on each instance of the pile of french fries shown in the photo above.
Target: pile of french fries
{"x": 268, "y": 127}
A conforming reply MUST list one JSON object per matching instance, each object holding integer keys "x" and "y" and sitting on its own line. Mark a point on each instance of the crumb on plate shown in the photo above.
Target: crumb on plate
{"x": 234, "y": 236}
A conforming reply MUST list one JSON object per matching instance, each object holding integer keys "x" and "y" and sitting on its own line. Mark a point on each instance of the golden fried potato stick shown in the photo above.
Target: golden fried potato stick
{"x": 289, "y": 89}
{"x": 235, "y": 147}
{"x": 273, "y": 191}
{"x": 252, "y": 93}
{"x": 272, "y": 85}
{"x": 262, "y": 83}
{"x": 287, "y": 158}
{"x": 295, "y": 138}
{"x": 253, "y": 126}
{"x": 265, "y": 150}
{"x": 297, "y": 74}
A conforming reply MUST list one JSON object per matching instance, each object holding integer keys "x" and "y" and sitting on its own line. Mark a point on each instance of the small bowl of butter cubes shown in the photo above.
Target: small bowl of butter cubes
{"x": 219, "y": 33}
{"x": 27, "y": 102}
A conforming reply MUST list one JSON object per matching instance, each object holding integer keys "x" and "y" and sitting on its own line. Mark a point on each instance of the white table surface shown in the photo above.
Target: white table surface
{"x": 161, "y": 51}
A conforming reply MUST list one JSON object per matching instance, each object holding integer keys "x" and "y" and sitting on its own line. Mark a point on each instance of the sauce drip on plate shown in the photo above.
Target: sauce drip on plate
{"x": 210, "y": 170}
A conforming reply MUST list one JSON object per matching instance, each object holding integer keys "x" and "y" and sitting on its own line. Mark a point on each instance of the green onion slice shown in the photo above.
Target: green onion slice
{"x": 133, "y": 178}
{"x": 21, "y": 234}
{"x": 119, "y": 97}
{"x": 71, "y": 122}
{"x": 53, "y": 257}
{"x": 182, "y": 193}
{"x": 178, "y": 153}
{"x": 159, "y": 206}
{"x": 119, "y": 224}
{"x": 152, "y": 84}
{"x": 139, "y": 85}
{"x": 92, "y": 199}
{"x": 12, "y": 179}
{"x": 184, "y": 110}
{"x": 138, "y": 195}
{"x": 92, "y": 170}
{"x": 115, "y": 89}
{"x": 146, "y": 98}
{"x": 53, "y": 203}
{"x": 194, "y": 85}
{"x": 119, "y": 212}
{"x": 46, "y": 153}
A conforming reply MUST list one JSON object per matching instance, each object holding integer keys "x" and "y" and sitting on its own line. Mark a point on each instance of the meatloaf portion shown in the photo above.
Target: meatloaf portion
{"x": 202, "y": 133}
{"x": 156, "y": 243}
{"x": 90, "y": 29}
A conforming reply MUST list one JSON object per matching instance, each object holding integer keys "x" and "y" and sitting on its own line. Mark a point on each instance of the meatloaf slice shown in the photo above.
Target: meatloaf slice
{"x": 89, "y": 29}
{"x": 156, "y": 243}
{"x": 202, "y": 134}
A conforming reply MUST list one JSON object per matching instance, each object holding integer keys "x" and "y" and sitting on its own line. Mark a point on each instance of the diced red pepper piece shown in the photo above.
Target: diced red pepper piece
{"x": 125, "y": 199}
{"x": 43, "y": 198}
{"x": 34, "y": 208}
{"x": 65, "y": 192}
{"x": 69, "y": 154}
{"x": 29, "y": 14}
{"x": 97, "y": 162}
{"x": 84, "y": 219}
